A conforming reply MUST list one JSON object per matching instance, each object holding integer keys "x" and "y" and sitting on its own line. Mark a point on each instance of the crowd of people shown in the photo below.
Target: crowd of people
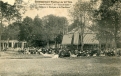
{"x": 65, "y": 52}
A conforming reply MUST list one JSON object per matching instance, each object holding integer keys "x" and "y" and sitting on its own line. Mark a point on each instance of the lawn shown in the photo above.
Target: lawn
{"x": 40, "y": 66}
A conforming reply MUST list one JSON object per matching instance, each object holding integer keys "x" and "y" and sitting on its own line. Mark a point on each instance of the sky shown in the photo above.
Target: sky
{"x": 45, "y": 11}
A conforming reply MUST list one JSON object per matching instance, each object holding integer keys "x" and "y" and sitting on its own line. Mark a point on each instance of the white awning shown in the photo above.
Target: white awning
{"x": 67, "y": 39}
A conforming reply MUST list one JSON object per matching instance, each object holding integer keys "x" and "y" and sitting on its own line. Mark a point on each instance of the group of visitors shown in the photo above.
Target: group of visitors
{"x": 102, "y": 52}
{"x": 65, "y": 52}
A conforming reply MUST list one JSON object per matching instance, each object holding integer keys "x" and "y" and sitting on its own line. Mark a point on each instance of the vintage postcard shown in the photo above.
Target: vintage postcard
{"x": 60, "y": 38}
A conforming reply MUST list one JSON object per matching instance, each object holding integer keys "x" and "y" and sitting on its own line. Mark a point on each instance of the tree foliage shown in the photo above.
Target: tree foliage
{"x": 81, "y": 15}
{"x": 26, "y": 29}
{"x": 37, "y": 31}
{"x": 109, "y": 22}
{"x": 47, "y": 29}
{"x": 54, "y": 25}
{"x": 9, "y": 12}
{"x": 11, "y": 32}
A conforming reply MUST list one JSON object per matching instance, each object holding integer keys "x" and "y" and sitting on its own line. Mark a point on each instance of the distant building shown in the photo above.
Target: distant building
{"x": 13, "y": 44}
{"x": 90, "y": 40}
{"x": 73, "y": 38}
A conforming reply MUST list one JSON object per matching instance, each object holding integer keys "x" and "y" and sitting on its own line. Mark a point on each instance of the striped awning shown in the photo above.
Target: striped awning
{"x": 90, "y": 39}
{"x": 75, "y": 39}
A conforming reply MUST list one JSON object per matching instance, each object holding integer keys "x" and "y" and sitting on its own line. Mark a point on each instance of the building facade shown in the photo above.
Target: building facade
{"x": 13, "y": 44}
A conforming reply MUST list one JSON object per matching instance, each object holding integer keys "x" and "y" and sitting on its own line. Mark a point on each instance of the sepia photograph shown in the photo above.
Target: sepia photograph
{"x": 60, "y": 38}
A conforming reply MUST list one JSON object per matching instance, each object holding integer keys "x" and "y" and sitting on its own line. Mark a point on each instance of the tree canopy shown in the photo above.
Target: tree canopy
{"x": 37, "y": 31}
{"x": 109, "y": 23}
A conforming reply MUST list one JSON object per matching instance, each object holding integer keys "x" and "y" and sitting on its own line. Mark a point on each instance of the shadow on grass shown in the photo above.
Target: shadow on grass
{"x": 92, "y": 74}
{"x": 108, "y": 60}
{"x": 88, "y": 74}
{"x": 99, "y": 59}
{"x": 104, "y": 71}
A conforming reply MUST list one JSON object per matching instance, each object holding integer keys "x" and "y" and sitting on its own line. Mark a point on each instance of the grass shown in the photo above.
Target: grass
{"x": 37, "y": 65}
{"x": 16, "y": 55}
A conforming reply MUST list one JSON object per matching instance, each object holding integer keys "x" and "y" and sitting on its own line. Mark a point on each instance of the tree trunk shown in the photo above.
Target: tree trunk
{"x": 0, "y": 34}
{"x": 48, "y": 44}
{"x": 100, "y": 49}
{"x": 82, "y": 32}
{"x": 82, "y": 44}
{"x": 106, "y": 44}
{"x": 0, "y": 43}
{"x": 55, "y": 44}
{"x": 115, "y": 37}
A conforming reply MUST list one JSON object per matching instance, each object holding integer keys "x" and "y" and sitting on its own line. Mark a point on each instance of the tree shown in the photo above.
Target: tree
{"x": 37, "y": 32}
{"x": 81, "y": 14}
{"x": 26, "y": 29}
{"x": 7, "y": 13}
{"x": 109, "y": 22}
{"x": 37, "y": 21}
{"x": 53, "y": 25}
{"x": 11, "y": 32}
{"x": 75, "y": 24}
